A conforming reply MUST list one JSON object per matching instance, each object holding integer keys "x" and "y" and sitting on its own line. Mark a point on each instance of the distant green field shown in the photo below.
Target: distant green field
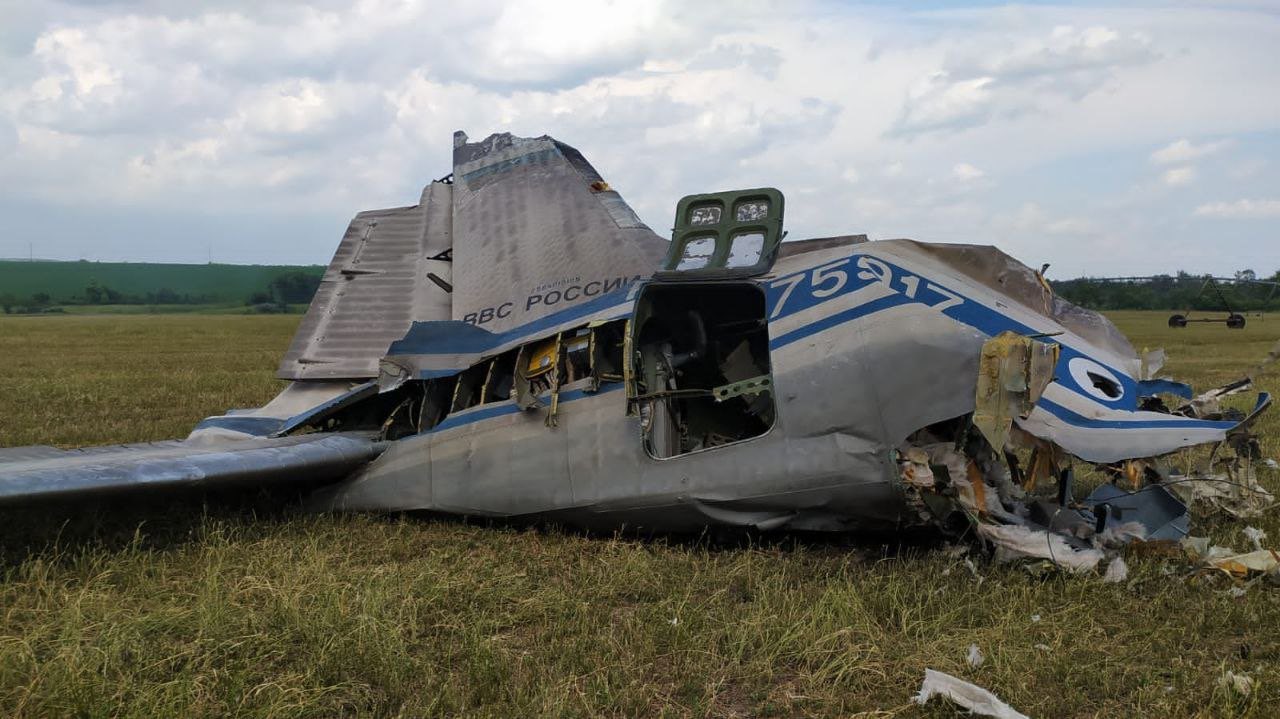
{"x": 66, "y": 281}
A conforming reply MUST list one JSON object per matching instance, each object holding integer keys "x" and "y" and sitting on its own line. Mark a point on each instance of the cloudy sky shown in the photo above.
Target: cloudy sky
{"x": 1102, "y": 140}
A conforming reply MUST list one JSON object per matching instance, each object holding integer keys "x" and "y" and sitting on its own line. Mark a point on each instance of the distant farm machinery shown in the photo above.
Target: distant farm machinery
{"x": 1224, "y": 313}
{"x": 1233, "y": 320}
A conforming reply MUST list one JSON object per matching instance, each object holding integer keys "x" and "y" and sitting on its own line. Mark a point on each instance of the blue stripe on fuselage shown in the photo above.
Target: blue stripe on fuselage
{"x": 907, "y": 288}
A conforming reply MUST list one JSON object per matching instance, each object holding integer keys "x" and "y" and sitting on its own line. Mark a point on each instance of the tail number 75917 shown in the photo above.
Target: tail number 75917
{"x": 823, "y": 282}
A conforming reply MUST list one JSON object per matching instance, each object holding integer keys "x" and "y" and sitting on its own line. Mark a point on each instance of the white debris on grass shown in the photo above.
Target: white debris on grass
{"x": 1255, "y": 536}
{"x": 1117, "y": 571}
{"x": 1016, "y": 542}
{"x": 975, "y": 657}
{"x": 969, "y": 696}
{"x": 1271, "y": 463}
{"x": 1236, "y": 492}
{"x": 1259, "y": 561}
{"x": 1035, "y": 617}
{"x": 1121, "y": 535}
{"x": 1241, "y": 683}
{"x": 973, "y": 569}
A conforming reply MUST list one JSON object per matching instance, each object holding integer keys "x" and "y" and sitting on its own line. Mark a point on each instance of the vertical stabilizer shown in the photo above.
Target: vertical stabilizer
{"x": 537, "y": 230}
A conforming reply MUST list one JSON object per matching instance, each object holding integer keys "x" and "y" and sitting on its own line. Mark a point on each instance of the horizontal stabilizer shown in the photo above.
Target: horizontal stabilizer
{"x": 37, "y": 473}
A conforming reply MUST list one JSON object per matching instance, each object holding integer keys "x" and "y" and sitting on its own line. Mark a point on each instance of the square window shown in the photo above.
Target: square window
{"x": 705, "y": 215}
{"x": 697, "y": 253}
{"x": 751, "y": 211}
{"x": 745, "y": 249}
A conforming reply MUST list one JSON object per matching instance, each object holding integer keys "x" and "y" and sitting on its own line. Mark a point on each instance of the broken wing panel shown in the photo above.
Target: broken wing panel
{"x": 391, "y": 269}
{"x": 36, "y": 473}
{"x": 538, "y": 230}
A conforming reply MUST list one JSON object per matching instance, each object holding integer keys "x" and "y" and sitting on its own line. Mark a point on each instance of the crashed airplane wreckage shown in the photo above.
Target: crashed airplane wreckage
{"x": 519, "y": 343}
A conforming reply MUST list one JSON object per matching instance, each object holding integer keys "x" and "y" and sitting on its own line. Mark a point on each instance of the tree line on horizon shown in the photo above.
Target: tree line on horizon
{"x": 1181, "y": 291}
{"x": 287, "y": 288}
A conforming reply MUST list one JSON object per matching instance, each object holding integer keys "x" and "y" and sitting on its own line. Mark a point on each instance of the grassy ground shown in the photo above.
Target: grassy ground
{"x": 169, "y": 607}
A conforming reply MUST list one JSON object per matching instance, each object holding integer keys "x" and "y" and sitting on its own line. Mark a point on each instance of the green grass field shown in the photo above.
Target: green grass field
{"x": 243, "y": 606}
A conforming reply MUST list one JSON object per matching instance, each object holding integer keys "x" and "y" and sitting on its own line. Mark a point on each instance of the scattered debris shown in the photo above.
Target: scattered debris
{"x": 1263, "y": 561}
{"x": 975, "y": 656}
{"x": 1255, "y": 536}
{"x": 969, "y": 696}
{"x": 1258, "y": 562}
{"x": 1235, "y": 491}
{"x": 1014, "y": 541}
{"x": 1271, "y": 463}
{"x": 1117, "y": 571}
{"x": 1044, "y": 647}
{"x": 1240, "y": 683}
{"x": 1035, "y": 617}
{"x": 973, "y": 569}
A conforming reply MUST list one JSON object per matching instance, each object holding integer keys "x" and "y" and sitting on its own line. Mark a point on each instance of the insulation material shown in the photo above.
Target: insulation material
{"x": 1117, "y": 571}
{"x": 1237, "y": 493}
{"x": 1262, "y": 561}
{"x": 968, "y": 696}
{"x": 1013, "y": 372}
{"x": 1018, "y": 542}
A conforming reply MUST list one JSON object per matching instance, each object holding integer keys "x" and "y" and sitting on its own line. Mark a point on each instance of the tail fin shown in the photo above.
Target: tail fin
{"x": 391, "y": 269}
{"x": 523, "y": 228}
{"x": 537, "y": 230}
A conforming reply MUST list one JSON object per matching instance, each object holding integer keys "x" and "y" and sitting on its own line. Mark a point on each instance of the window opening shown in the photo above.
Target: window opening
{"x": 437, "y": 397}
{"x": 745, "y": 249}
{"x": 501, "y": 378}
{"x": 607, "y": 342}
{"x": 577, "y": 355}
{"x": 697, "y": 253}
{"x": 470, "y": 386}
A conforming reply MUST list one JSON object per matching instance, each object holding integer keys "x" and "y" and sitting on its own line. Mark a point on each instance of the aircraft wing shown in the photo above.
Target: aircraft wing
{"x": 28, "y": 473}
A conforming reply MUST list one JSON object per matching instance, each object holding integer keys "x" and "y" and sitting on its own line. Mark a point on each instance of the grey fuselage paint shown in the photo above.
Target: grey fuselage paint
{"x": 846, "y": 395}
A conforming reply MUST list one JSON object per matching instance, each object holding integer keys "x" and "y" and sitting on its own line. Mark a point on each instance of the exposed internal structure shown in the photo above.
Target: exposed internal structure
{"x": 703, "y": 376}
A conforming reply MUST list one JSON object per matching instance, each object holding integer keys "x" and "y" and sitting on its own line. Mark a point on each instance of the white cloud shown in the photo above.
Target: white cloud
{"x": 1030, "y": 218}
{"x": 991, "y": 76}
{"x": 1240, "y": 209}
{"x": 324, "y": 108}
{"x": 1182, "y": 151}
{"x": 1177, "y": 176}
{"x": 938, "y": 101}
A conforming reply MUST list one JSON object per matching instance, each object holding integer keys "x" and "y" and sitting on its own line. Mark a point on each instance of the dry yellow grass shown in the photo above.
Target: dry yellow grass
{"x": 239, "y": 606}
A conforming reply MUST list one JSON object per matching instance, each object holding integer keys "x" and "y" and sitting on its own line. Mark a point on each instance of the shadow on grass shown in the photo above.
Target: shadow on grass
{"x": 61, "y": 530}
{"x": 138, "y": 521}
